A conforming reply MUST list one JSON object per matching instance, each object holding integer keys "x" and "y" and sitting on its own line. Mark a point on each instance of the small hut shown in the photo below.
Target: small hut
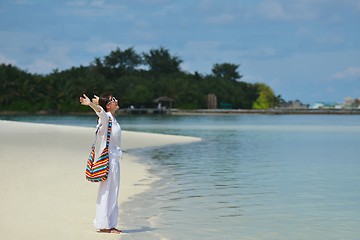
{"x": 164, "y": 101}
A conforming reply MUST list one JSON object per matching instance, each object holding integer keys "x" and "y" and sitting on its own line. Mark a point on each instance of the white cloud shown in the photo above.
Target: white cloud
{"x": 42, "y": 66}
{"x": 202, "y": 44}
{"x": 303, "y": 32}
{"x": 278, "y": 10}
{"x": 205, "y": 5}
{"x": 97, "y": 45}
{"x": 223, "y": 18}
{"x": 357, "y": 6}
{"x": 55, "y": 57}
{"x": 5, "y": 60}
{"x": 349, "y": 73}
{"x": 271, "y": 10}
{"x": 252, "y": 79}
{"x": 330, "y": 39}
{"x": 97, "y": 3}
{"x": 93, "y": 8}
{"x": 81, "y": 3}
{"x": 258, "y": 53}
{"x": 22, "y": 2}
{"x": 76, "y": 3}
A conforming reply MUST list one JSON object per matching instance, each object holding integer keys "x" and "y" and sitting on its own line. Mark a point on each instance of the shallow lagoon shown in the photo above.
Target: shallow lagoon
{"x": 252, "y": 177}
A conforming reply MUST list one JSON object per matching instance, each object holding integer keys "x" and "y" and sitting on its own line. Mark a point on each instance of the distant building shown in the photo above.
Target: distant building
{"x": 325, "y": 105}
{"x": 350, "y": 103}
{"x": 211, "y": 101}
{"x": 297, "y": 104}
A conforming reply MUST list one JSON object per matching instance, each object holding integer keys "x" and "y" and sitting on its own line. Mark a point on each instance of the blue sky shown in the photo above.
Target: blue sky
{"x": 304, "y": 49}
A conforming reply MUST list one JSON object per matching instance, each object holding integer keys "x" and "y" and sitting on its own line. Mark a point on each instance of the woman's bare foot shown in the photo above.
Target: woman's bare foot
{"x": 112, "y": 230}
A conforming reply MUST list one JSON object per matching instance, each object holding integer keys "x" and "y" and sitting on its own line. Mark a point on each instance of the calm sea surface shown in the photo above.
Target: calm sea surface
{"x": 268, "y": 177}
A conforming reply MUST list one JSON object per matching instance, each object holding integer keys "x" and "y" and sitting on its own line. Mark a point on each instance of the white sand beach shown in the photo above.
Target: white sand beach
{"x": 44, "y": 193}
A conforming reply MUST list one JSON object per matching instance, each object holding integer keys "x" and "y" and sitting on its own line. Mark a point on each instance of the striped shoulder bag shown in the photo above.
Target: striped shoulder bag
{"x": 98, "y": 171}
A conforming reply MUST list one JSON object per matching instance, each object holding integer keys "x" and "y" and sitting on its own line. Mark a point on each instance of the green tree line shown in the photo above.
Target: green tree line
{"x": 135, "y": 79}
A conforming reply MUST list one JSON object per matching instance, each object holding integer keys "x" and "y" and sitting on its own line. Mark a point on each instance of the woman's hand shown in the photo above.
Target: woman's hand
{"x": 85, "y": 100}
{"x": 95, "y": 100}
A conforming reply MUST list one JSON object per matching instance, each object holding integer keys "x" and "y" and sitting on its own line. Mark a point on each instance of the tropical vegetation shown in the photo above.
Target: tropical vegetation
{"x": 135, "y": 79}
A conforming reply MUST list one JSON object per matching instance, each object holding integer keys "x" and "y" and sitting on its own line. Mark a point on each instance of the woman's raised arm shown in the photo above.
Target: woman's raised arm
{"x": 87, "y": 102}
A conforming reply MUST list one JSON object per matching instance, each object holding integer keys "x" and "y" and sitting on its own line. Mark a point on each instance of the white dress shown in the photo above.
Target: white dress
{"x": 107, "y": 199}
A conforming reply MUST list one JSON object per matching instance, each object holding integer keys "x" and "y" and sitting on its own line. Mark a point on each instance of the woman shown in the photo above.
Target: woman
{"x": 107, "y": 199}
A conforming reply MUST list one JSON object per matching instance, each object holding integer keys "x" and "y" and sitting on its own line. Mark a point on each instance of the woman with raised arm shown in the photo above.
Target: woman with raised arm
{"x": 105, "y": 107}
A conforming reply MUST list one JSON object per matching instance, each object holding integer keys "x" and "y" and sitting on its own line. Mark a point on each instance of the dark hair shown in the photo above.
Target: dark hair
{"x": 104, "y": 100}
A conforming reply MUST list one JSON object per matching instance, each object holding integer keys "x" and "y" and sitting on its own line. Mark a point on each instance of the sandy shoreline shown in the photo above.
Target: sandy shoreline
{"x": 44, "y": 191}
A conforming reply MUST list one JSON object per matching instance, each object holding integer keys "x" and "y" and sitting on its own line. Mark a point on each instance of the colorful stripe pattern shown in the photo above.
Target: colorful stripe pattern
{"x": 98, "y": 171}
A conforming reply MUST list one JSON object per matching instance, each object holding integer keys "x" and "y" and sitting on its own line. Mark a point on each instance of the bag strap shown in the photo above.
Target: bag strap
{"x": 108, "y": 132}
{"x": 107, "y": 135}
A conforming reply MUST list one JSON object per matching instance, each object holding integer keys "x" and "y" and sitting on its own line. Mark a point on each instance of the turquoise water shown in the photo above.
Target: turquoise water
{"x": 252, "y": 177}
